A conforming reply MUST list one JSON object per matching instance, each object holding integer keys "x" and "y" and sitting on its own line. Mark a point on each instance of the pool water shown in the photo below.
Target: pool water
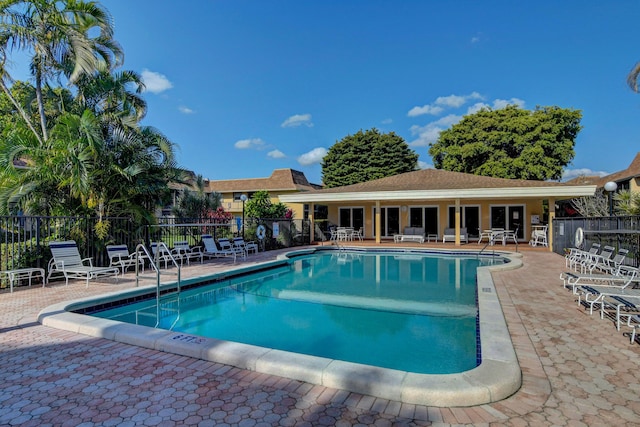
{"x": 410, "y": 312}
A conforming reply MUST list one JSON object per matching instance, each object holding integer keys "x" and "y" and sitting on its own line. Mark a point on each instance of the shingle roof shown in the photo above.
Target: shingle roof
{"x": 631, "y": 172}
{"x": 436, "y": 179}
{"x": 280, "y": 180}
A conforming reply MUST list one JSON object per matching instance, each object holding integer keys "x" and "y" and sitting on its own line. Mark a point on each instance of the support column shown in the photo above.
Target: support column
{"x": 457, "y": 222}
{"x": 377, "y": 220}
{"x": 552, "y": 216}
{"x": 312, "y": 225}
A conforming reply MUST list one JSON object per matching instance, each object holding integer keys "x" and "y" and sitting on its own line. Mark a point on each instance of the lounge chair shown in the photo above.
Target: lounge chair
{"x": 67, "y": 261}
{"x": 211, "y": 249}
{"x": 623, "y": 278}
{"x": 119, "y": 256}
{"x": 612, "y": 265}
{"x": 182, "y": 250}
{"x": 226, "y": 245}
{"x": 161, "y": 254}
{"x": 600, "y": 260}
{"x": 575, "y": 255}
{"x": 247, "y": 247}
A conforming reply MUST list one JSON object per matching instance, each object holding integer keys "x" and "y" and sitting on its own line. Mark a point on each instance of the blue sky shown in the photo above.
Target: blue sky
{"x": 245, "y": 87}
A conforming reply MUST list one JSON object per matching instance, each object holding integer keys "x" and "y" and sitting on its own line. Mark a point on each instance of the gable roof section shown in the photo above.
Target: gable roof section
{"x": 441, "y": 184}
{"x": 280, "y": 180}
{"x": 633, "y": 171}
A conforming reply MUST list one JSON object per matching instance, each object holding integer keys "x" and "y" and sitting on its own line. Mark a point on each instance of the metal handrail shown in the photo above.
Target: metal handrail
{"x": 153, "y": 261}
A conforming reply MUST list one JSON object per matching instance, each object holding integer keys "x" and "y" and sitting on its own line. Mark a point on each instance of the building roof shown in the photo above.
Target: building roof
{"x": 442, "y": 184}
{"x": 280, "y": 180}
{"x": 633, "y": 171}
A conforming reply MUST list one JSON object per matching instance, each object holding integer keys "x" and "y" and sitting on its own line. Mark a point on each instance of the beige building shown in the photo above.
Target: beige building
{"x": 281, "y": 182}
{"x": 438, "y": 199}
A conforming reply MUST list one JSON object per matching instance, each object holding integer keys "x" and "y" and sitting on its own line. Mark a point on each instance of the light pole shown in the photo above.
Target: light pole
{"x": 611, "y": 187}
{"x": 244, "y": 199}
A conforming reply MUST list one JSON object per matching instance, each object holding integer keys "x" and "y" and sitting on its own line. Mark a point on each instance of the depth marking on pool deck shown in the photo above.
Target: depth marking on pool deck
{"x": 497, "y": 377}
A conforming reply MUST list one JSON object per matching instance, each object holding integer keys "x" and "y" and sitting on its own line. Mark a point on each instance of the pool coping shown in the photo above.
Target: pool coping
{"x": 497, "y": 377}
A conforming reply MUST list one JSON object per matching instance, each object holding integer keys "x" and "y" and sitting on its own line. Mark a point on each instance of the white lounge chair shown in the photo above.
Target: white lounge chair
{"x": 227, "y": 245}
{"x": 247, "y": 247}
{"x": 624, "y": 277}
{"x": 119, "y": 256}
{"x": 182, "y": 251}
{"x": 67, "y": 261}
{"x": 161, "y": 254}
{"x": 211, "y": 249}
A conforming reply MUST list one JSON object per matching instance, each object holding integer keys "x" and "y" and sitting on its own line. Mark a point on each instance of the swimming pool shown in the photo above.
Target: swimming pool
{"x": 415, "y": 313}
{"x": 497, "y": 376}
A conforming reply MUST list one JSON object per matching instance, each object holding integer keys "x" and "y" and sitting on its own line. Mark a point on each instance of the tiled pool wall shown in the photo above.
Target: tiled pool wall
{"x": 497, "y": 376}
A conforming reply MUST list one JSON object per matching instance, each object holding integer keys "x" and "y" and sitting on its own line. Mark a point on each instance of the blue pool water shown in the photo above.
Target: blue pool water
{"x": 411, "y": 312}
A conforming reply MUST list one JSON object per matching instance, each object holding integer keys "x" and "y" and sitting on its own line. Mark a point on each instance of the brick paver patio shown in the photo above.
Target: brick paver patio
{"x": 577, "y": 370}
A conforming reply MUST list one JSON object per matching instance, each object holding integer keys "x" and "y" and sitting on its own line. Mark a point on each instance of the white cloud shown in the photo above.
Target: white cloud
{"x": 443, "y": 102}
{"x": 312, "y": 157}
{"x": 574, "y": 173}
{"x": 477, "y": 107}
{"x": 185, "y": 110}
{"x": 424, "y": 165}
{"x": 425, "y": 109}
{"x": 297, "y": 120}
{"x": 244, "y": 144}
{"x": 502, "y": 103}
{"x": 276, "y": 154}
{"x": 387, "y": 121}
{"x": 155, "y": 82}
{"x": 429, "y": 134}
{"x": 475, "y": 39}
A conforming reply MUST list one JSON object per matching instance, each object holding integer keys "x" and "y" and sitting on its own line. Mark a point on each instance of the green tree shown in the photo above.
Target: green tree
{"x": 196, "y": 203}
{"x": 510, "y": 143}
{"x": 632, "y": 78}
{"x": 68, "y": 38}
{"x": 261, "y": 206}
{"x": 366, "y": 156}
{"x": 627, "y": 202}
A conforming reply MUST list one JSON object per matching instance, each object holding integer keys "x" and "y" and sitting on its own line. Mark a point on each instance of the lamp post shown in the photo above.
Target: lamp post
{"x": 611, "y": 187}
{"x": 244, "y": 199}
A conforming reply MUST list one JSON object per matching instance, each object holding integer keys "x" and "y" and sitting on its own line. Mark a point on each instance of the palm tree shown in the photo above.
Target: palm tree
{"x": 58, "y": 36}
{"x": 632, "y": 78}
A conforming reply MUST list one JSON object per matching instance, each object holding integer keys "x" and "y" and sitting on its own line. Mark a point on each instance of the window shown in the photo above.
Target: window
{"x": 351, "y": 217}
{"x": 469, "y": 218}
{"x": 424, "y": 216}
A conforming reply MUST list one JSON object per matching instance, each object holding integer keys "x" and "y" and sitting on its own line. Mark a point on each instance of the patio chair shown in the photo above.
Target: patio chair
{"x": 182, "y": 251}
{"x": 592, "y": 262}
{"x": 611, "y": 266}
{"x": 227, "y": 245}
{"x": 119, "y": 256}
{"x": 576, "y": 255}
{"x": 539, "y": 236}
{"x": 211, "y": 249}
{"x": 67, "y": 261}
{"x": 161, "y": 254}
{"x": 247, "y": 247}
{"x": 624, "y": 277}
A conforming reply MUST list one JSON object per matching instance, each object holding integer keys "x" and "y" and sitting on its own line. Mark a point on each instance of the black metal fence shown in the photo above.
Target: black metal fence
{"x": 24, "y": 239}
{"x": 616, "y": 231}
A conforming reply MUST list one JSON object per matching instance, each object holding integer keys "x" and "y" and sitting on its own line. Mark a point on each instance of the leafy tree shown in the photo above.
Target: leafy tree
{"x": 261, "y": 206}
{"x": 68, "y": 38}
{"x": 627, "y": 202}
{"x": 510, "y": 143}
{"x": 366, "y": 156}
{"x": 196, "y": 203}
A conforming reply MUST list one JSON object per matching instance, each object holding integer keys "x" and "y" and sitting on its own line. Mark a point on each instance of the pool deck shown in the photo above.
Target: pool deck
{"x": 577, "y": 369}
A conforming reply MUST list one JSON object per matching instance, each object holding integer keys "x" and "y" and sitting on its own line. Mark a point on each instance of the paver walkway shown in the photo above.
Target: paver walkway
{"x": 577, "y": 370}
